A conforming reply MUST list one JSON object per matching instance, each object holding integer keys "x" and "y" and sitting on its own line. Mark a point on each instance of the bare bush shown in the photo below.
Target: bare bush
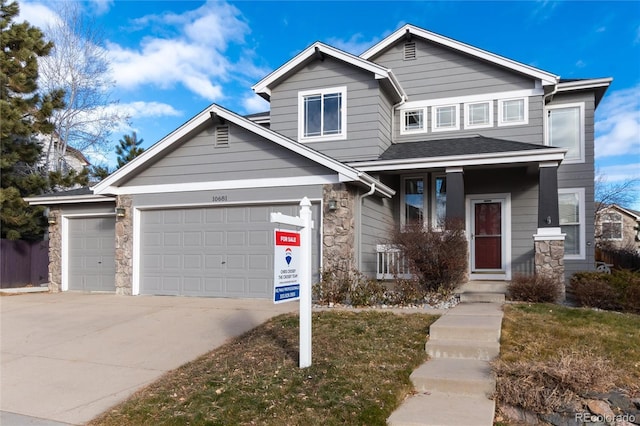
{"x": 437, "y": 257}
{"x": 332, "y": 288}
{"x": 546, "y": 386}
{"x": 534, "y": 288}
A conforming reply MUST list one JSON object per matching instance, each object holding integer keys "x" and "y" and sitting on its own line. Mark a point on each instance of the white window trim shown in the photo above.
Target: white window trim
{"x": 434, "y": 121}
{"x": 467, "y": 115}
{"x": 343, "y": 131}
{"x": 621, "y": 222}
{"x": 581, "y": 218}
{"x": 404, "y": 130}
{"x": 425, "y": 197}
{"x": 580, "y": 105}
{"x": 432, "y": 198}
{"x": 525, "y": 119}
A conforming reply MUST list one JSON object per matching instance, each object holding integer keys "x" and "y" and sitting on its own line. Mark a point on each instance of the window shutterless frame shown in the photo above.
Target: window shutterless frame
{"x": 322, "y": 114}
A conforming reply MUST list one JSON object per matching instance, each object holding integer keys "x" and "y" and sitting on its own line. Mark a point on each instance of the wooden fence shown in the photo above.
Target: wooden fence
{"x": 23, "y": 263}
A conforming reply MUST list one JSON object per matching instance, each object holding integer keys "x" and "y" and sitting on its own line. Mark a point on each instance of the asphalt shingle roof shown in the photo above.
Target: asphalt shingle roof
{"x": 458, "y": 146}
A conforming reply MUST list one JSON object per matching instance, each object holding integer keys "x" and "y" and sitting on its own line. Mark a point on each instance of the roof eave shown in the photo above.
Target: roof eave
{"x": 71, "y": 199}
{"x": 511, "y": 157}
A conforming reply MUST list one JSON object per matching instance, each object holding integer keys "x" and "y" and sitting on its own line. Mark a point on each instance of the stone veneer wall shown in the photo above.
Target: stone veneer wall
{"x": 55, "y": 252}
{"x": 338, "y": 234}
{"x": 124, "y": 246}
{"x": 549, "y": 260}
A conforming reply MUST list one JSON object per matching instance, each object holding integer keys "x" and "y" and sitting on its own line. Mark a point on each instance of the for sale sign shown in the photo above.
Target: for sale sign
{"x": 286, "y": 265}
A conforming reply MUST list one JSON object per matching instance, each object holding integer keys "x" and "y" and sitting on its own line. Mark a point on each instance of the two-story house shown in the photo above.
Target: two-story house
{"x": 418, "y": 128}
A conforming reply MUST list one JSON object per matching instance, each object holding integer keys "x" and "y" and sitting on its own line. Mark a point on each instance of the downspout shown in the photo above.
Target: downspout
{"x": 359, "y": 223}
{"x": 393, "y": 117}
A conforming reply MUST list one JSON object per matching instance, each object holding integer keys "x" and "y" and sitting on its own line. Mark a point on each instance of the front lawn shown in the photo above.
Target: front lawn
{"x": 360, "y": 374}
{"x": 555, "y": 358}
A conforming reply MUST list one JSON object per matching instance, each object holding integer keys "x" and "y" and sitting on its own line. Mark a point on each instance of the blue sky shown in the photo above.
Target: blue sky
{"x": 170, "y": 59}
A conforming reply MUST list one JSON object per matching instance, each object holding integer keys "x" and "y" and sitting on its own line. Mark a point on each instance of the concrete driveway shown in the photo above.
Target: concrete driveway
{"x": 68, "y": 357}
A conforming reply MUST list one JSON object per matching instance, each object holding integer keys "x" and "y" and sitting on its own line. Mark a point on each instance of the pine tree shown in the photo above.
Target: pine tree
{"x": 24, "y": 114}
{"x": 128, "y": 149}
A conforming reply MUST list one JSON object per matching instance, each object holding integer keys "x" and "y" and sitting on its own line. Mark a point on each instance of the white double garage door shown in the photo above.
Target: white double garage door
{"x": 209, "y": 251}
{"x": 213, "y": 251}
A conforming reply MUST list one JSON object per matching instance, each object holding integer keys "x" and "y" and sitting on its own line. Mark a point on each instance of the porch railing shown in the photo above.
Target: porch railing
{"x": 391, "y": 263}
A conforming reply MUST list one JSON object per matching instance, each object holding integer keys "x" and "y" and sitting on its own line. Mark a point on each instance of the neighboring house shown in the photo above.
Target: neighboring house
{"x": 618, "y": 227}
{"x": 419, "y": 127}
{"x": 72, "y": 159}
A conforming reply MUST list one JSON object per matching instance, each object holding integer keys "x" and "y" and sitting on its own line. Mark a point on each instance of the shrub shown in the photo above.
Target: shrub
{"x": 438, "y": 258}
{"x": 365, "y": 291}
{"x": 534, "y": 288}
{"x": 332, "y": 288}
{"x": 619, "y": 290}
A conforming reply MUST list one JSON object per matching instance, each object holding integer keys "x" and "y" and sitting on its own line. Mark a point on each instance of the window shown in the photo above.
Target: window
{"x": 565, "y": 130}
{"x": 513, "y": 111}
{"x": 478, "y": 114}
{"x": 571, "y": 206}
{"x": 413, "y": 200}
{"x": 413, "y": 121}
{"x": 322, "y": 114}
{"x": 445, "y": 117}
{"x": 611, "y": 226}
{"x": 439, "y": 200}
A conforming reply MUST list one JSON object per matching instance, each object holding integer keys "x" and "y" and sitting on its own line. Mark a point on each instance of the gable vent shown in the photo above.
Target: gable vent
{"x": 409, "y": 50}
{"x": 222, "y": 136}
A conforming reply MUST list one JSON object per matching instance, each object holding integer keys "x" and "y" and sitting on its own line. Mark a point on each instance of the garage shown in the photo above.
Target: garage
{"x": 212, "y": 251}
{"x": 91, "y": 254}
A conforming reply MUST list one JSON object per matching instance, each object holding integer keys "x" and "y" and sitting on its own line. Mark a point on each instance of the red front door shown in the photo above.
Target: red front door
{"x": 488, "y": 235}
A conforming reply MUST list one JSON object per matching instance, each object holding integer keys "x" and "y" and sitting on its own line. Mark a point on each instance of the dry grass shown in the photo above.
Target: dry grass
{"x": 360, "y": 373}
{"x": 552, "y": 355}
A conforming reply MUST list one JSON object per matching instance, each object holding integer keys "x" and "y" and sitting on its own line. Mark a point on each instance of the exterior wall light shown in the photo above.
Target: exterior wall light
{"x": 333, "y": 205}
{"x": 52, "y": 220}
{"x": 120, "y": 212}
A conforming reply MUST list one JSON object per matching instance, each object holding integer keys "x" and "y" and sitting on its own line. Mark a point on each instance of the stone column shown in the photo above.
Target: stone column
{"x": 124, "y": 246}
{"x": 55, "y": 251}
{"x": 549, "y": 260}
{"x": 338, "y": 239}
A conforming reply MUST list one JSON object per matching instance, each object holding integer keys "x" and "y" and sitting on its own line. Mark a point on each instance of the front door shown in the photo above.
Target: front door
{"x": 487, "y": 235}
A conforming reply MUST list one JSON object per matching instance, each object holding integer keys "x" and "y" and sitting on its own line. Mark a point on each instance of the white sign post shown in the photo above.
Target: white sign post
{"x": 302, "y": 270}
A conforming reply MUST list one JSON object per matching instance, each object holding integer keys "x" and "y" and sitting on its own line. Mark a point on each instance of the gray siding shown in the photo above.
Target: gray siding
{"x": 523, "y": 188}
{"x": 247, "y": 156}
{"x": 379, "y": 217}
{"x": 367, "y": 114}
{"x": 581, "y": 175}
{"x": 439, "y": 72}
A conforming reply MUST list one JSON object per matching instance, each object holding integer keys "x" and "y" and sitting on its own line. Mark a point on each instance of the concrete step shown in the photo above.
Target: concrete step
{"x": 472, "y": 297}
{"x": 442, "y": 409}
{"x": 478, "y": 309}
{"x": 462, "y": 349}
{"x": 483, "y": 287}
{"x": 466, "y": 327}
{"x": 460, "y": 376}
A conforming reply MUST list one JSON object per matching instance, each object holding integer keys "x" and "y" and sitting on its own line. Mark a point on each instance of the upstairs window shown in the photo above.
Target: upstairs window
{"x": 611, "y": 226}
{"x": 513, "y": 111}
{"x": 478, "y": 114}
{"x": 565, "y": 130}
{"x": 445, "y": 117}
{"x": 413, "y": 121}
{"x": 322, "y": 114}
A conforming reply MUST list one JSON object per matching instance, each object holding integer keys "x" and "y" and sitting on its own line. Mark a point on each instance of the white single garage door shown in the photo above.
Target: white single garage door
{"x": 212, "y": 251}
{"x": 91, "y": 261}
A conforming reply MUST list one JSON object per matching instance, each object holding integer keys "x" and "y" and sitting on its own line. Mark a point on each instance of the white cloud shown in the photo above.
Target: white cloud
{"x": 148, "y": 109}
{"x": 254, "y": 103}
{"x": 620, "y": 172}
{"x": 100, "y": 7}
{"x": 355, "y": 45}
{"x": 618, "y": 124}
{"x": 195, "y": 55}
{"x": 37, "y": 14}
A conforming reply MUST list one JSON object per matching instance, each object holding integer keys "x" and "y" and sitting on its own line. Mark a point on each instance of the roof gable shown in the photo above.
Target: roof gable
{"x": 316, "y": 52}
{"x": 410, "y": 31}
{"x": 169, "y": 143}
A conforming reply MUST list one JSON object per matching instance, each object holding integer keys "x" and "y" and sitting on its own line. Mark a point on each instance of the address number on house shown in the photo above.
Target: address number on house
{"x": 219, "y": 198}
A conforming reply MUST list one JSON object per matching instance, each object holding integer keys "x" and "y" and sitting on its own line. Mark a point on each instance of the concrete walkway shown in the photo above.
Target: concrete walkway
{"x": 67, "y": 357}
{"x": 454, "y": 386}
